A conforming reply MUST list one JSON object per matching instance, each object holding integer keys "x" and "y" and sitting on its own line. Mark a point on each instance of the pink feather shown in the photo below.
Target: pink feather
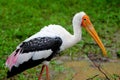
{"x": 12, "y": 59}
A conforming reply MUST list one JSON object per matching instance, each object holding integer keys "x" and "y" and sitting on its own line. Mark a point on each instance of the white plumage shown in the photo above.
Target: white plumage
{"x": 42, "y": 54}
{"x": 51, "y": 31}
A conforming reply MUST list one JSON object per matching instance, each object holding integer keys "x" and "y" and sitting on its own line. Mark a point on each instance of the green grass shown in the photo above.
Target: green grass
{"x": 19, "y": 19}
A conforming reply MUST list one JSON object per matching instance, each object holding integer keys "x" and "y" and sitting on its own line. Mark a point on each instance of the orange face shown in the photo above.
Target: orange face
{"x": 86, "y": 23}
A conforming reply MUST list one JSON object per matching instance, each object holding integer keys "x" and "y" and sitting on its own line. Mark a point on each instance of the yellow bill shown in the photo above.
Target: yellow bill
{"x": 90, "y": 29}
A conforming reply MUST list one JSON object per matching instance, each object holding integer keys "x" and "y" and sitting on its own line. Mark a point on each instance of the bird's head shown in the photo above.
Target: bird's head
{"x": 85, "y": 22}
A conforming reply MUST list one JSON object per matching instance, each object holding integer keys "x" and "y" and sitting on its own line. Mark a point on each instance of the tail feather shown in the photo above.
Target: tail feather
{"x": 22, "y": 67}
{"x": 12, "y": 59}
{"x": 11, "y": 73}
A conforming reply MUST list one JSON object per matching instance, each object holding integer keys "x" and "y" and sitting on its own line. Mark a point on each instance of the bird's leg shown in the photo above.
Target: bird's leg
{"x": 40, "y": 76}
{"x": 47, "y": 72}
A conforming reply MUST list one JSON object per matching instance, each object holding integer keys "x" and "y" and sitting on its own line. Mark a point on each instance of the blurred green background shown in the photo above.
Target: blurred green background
{"x": 20, "y": 19}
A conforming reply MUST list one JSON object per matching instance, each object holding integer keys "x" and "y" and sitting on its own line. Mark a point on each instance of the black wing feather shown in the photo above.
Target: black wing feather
{"x": 41, "y": 43}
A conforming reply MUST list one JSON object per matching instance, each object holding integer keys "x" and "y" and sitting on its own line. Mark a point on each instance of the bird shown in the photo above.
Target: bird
{"x": 41, "y": 47}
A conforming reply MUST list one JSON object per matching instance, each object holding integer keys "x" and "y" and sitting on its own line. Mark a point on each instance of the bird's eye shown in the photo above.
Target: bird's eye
{"x": 84, "y": 19}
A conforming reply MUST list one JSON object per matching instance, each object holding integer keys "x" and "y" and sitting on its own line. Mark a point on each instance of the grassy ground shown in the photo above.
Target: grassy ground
{"x": 19, "y": 19}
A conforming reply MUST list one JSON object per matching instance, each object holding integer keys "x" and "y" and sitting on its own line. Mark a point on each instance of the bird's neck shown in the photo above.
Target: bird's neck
{"x": 72, "y": 39}
{"x": 77, "y": 32}
{"x": 76, "y": 37}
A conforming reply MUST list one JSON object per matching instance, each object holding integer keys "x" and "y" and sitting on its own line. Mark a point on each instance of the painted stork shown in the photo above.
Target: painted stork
{"x": 47, "y": 43}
